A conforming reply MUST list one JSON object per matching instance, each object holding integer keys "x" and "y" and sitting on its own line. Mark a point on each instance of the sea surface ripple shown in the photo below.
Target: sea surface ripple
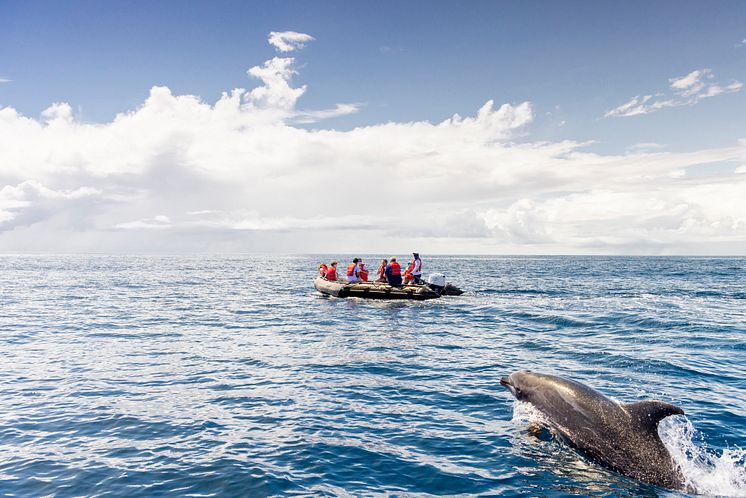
{"x": 231, "y": 375}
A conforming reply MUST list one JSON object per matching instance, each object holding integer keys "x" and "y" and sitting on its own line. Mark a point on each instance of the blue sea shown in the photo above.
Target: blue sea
{"x": 231, "y": 376}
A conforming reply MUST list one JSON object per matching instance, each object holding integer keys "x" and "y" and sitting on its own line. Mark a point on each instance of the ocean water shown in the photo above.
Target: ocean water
{"x": 232, "y": 376}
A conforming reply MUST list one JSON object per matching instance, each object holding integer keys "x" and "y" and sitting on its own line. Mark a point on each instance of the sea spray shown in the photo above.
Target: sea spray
{"x": 703, "y": 469}
{"x": 526, "y": 413}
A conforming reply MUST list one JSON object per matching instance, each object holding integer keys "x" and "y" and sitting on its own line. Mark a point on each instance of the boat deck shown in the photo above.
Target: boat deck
{"x": 374, "y": 290}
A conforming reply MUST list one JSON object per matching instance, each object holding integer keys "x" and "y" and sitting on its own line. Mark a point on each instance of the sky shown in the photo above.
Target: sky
{"x": 373, "y": 127}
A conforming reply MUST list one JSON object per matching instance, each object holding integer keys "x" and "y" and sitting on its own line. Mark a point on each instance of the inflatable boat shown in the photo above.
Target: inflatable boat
{"x": 434, "y": 288}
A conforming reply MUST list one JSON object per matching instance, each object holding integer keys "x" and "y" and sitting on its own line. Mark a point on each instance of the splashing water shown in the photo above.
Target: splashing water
{"x": 526, "y": 413}
{"x": 703, "y": 470}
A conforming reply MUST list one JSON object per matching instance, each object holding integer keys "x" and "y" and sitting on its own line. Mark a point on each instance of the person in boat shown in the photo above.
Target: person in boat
{"x": 393, "y": 273}
{"x": 353, "y": 271}
{"x": 362, "y": 271}
{"x": 322, "y": 270}
{"x": 331, "y": 271}
{"x": 417, "y": 268}
{"x": 381, "y": 272}
{"x": 408, "y": 278}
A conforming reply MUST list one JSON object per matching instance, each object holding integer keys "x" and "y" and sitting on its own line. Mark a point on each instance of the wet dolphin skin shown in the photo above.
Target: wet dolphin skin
{"x": 623, "y": 437}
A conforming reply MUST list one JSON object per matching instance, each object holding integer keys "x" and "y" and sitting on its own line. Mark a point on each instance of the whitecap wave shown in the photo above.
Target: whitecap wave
{"x": 703, "y": 469}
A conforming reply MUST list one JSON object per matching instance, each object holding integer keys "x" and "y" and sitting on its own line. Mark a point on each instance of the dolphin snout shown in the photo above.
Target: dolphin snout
{"x": 506, "y": 381}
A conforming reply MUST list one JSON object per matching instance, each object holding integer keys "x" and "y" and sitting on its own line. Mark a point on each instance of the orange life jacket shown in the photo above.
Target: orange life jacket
{"x": 395, "y": 269}
{"x": 351, "y": 269}
{"x": 331, "y": 273}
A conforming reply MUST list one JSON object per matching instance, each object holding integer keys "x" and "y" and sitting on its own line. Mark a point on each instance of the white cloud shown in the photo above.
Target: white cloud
{"x": 5, "y": 80}
{"x": 287, "y": 41}
{"x": 255, "y": 221}
{"x": 314, "y": 116}
{"x": 276, "y": 74}
{"x": 30, "y": 202}
{"x": 692, "y": 82}
{"x": 636, "y": 105}
{"x": 179, "y": 173}
{"x": 663, "y": 216}
{"x": 58, "y": 112}
{"x": 645, "y": 147}
{"x": 156, "y": 222}
{"x": 687, "y": 90}
{"x": 741, "y": 170}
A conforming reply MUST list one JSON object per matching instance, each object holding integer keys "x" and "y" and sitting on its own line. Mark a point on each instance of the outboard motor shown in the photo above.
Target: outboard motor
{"x": 437, "y": 282}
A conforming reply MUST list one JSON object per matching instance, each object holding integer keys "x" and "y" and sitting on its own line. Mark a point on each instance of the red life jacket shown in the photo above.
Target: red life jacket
{"x": 323, "y": 269}
{"x": 395, "y": 269}
{"x": 331, "y": 273}
{"x": 409, "y": 269}
{"x": 351, "y": 269}
{"x": 363, "y": 273}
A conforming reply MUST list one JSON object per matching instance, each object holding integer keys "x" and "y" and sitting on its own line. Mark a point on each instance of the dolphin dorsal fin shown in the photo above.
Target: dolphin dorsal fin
{"x": 649, "y": 413}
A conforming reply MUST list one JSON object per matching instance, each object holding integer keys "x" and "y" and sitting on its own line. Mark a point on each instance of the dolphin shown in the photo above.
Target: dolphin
{"x": 622, "y": 437}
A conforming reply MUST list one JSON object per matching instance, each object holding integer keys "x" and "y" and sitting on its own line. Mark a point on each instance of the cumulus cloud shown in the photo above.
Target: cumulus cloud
{"x": 277, "y": 92}
{"x": 59, "y": 111}
{"x": 180, "y": 173}
{"x": 686, "y": 90}
{"x": 287, "y": 41}
{"x": 30, "y": 202}
{"x": 663, "y": 216}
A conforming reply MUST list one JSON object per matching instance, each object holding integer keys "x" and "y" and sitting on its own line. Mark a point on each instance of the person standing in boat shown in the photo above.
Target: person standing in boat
{"x": 353, "y": 271}
{"x": 331, "y": 271}
{"x": 381, "y": 272}
{"x": 417, "y": 268}
{"x": 393, "y": 273}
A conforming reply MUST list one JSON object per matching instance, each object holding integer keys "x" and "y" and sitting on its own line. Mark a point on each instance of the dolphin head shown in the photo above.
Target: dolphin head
{"x": 548, "y": 393}
{"x": 523, "y": 385}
